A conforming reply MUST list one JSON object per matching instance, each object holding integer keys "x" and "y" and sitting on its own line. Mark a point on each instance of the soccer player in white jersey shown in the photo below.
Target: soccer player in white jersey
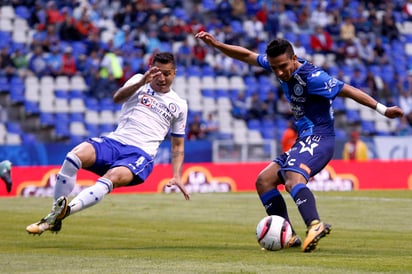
{"x": 125, "y": 157}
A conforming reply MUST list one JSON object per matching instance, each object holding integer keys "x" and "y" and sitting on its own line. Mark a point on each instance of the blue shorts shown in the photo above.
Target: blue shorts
{"x": 111, "y": 153}
{"x": 308, "y": 156}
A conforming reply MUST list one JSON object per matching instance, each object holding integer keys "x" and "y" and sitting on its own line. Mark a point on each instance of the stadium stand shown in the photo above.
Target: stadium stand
{"x": 69, "y": 107}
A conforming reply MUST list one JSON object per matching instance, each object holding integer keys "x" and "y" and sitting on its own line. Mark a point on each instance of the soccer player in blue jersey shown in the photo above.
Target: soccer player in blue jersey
{"x": 310, "y": 92}
{"x": 125, "y": 157}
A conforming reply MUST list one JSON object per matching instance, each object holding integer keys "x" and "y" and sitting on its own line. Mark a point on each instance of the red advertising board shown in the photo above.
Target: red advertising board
{"x": 223, "y": 177}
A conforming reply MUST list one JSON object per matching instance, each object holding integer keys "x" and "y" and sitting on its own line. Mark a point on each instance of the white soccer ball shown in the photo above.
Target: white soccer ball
{"x": 273, "y": 233}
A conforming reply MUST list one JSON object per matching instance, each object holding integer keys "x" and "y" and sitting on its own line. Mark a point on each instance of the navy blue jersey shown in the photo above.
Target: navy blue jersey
{"x": 310, "y": 93}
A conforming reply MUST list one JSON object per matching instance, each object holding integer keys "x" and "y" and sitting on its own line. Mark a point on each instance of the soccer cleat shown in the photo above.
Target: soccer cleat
{"x": 5, "y": 173}
{"x": 316, "y": 231}
{"x": 294, "y": 241}
{"x": 53, "y": 221}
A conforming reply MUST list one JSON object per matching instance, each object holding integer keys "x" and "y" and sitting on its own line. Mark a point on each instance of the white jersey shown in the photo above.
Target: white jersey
{"x": 147, "y": 116}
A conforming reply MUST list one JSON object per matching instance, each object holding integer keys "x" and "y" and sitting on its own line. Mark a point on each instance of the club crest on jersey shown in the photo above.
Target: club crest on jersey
{"x": 172, "y": 107}
{"x": 298, "y": 90}
{"x": 147, "y": 100}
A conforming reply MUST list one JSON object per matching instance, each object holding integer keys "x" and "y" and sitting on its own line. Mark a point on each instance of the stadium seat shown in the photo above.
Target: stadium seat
{"x": 61, "y": 105}
{"x": 28, "y": 139}
{"x": 254, "y": 137}
{"x": 76, "y": 117}
{"x": 352, "y": 116}
{"x": 31, "y": 108}
{"x": 6, "y": 24}
{"x": 4, "y": 85}
{"x": 78, "y": 129}
{"x": 254, "y": 124}
{"x": 17, "y": 94}
{"x": 46, "y": 119}
{"x": 5, "y": 39}
{"x": 107, "y": 117}
{"x": 22, "y": 12}
{"x": 7, "y": 11}
{"x": 62, "y": 131}
{"x": 207, "y": 92}
{"x": 77, "y": 105}
{"x": 77, "y": 82}
{"x": 208, "y": 82}
{"x": 13, "y": 127}
{"x": 12, "y": 139}
{"x": 368, "y": 127}
{"x": 92, "y": 129}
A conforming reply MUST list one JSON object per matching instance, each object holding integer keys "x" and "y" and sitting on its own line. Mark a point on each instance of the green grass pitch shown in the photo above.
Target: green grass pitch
{"x": 212, "y": 233}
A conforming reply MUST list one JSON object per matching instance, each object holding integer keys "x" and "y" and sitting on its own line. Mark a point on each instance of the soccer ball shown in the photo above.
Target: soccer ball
{"x": 273, "y": 233}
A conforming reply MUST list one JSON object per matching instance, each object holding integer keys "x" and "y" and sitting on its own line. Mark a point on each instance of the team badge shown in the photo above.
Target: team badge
{"x": 298, "y": 90}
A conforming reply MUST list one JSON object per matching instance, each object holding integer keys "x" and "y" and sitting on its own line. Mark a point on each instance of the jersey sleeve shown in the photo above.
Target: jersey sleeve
{"x": 262, "y": 60}
{"x": 322, "y": 84}
{"x": 133, "y": 80}
{"x": 179, "y": 124}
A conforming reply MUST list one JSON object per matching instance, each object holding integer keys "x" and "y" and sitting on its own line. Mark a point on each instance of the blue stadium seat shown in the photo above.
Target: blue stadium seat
{"x": 340, "y": 134}
{"x": 22, "y": 12}
{"x": 92, "y": 129}
{"x": 254, "y": 124}
{"x": 28, "y": 138}
{"x": 339, "y": 105}
{"x": 237, "y": 27}
{"x": 5, "y": 39}
{"x": 106, "y": 104}
{"x": 387, "y": 73}
{"x": 47, "y": 119}
{"x": 104, "y": 128}
{"x": 17, "y": 94}
{"x": 62, "y": 118}
{"x": 4, "y": 84}
{"x": 368, "y": 127}
{"x": 76, "y": 117}
{"x": 269, "y": 134}
{"x": 210, "y": 93}
{"x": 13, "y": 127}
{"x": 352, "y": 116}
{"x": 62, "y": 130}
{"x": 92, "y": 104}
{"x": 208, "y": 71}
{"x": 31, "y": 108}
{"x": 224, "y": 136}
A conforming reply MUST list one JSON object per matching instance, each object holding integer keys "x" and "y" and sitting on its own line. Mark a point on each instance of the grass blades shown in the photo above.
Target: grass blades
{"x": 212, "y": 233}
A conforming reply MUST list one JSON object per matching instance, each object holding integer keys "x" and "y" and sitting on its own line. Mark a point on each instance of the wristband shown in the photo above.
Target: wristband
{"x": 381, "y": 108}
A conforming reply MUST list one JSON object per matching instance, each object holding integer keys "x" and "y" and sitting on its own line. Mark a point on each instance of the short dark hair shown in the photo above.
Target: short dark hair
{"x": 164, "y": 58}
{"x": 278, "y": 47}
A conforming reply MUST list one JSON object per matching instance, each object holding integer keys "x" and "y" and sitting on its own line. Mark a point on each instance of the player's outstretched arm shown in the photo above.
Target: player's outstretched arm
{"x": 233, "y": 51}
{"x": 367, "y": 100}
{"x": 177, "y": 165}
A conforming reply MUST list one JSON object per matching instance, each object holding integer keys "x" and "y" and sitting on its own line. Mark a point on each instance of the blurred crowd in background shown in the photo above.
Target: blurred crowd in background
{"x": 366, "y": 43}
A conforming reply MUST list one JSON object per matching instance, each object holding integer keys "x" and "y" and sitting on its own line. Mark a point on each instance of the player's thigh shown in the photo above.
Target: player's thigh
{"x": 119, "y": 176}
{"x": 86, "y": 153}
{"x": 269, "y": 175}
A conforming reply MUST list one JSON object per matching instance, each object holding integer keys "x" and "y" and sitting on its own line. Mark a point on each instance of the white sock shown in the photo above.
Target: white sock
{"x": 66, "y": 178}
{"x": 91, "y": 195}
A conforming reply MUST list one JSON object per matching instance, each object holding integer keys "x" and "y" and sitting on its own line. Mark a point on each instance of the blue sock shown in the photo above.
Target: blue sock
{"x": 275, "y": 204}
{"x": 305, "y": 200}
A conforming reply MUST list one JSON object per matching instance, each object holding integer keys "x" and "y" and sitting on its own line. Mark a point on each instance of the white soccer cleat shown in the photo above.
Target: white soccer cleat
{"x": 53, "y": 221}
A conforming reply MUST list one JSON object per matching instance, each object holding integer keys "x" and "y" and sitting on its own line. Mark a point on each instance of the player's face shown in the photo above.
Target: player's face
{"x": 163, "y": 82}
{"x": 283, "y": 66}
